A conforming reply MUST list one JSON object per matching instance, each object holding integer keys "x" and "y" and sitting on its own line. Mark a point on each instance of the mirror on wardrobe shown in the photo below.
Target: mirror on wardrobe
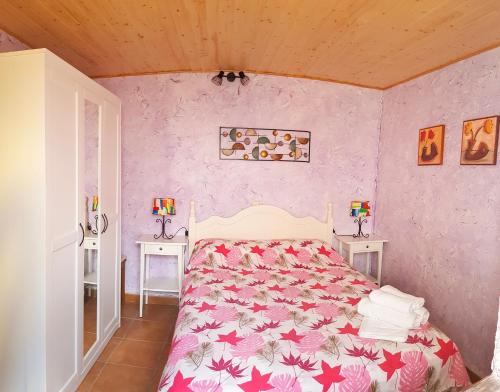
{"x": 93, "y": 225}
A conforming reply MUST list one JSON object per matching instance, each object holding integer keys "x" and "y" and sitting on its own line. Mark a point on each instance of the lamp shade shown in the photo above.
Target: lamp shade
{"x": 95, "y": 203}
{"x": 163, "y": 206}
{"x": 217, "y": 79}
{"x": 243, "y": 78}
{"x": 360, "y": 208}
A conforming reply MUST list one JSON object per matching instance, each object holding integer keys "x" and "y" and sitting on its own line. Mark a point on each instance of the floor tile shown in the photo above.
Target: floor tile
{"x": 86, "y": 385}
{"x": 166, "y": 349}
{"x": 155, "y": 331}
{"x": 160, "y": 313}
{"x": 130, "y": 310}
{"x": 137, "y": 353}
{"x": 170, "y": 334}
{"x": 124, "y": 325}
{"x": 144, "y": 342}
{"x": 106, "y": 353}
{"x": 122, "y": 378}
{"x": 162, "y": 361}
{"x": 155, "y": 381}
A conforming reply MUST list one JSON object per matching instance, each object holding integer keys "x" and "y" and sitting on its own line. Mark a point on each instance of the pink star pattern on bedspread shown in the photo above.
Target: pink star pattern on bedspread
{"x": 281, "y": 316}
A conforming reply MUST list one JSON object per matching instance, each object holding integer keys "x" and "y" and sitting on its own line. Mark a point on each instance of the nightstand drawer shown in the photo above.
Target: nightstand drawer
{"x": 90, "y": 243}
{"x": 367, "y": 246}
{"x": 161, "y": 249}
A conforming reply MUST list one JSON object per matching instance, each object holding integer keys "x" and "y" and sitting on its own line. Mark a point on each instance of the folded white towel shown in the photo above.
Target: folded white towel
{"x": 391, "y": 301}
{"x": 375, "y": 329}
{"x": 388, "y": 297}
{"x": 388, "y": 315}
{"x": 422, "y": 316}
{"x": 419, "y": 301}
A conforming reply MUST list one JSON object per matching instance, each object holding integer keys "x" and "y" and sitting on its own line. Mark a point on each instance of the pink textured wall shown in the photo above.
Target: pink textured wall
{"x": 170, "y": 139}
{"x": 9, "y": 43}
{"x": 443, "y": 222}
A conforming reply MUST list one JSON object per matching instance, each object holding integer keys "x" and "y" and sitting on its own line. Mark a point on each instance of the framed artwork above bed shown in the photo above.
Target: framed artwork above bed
{"x": 263, "y": 144}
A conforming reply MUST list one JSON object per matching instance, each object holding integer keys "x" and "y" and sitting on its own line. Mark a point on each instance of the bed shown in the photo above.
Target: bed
{"x": 278, "y": 313}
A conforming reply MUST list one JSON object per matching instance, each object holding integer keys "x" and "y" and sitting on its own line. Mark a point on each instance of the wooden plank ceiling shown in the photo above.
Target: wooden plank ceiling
{"x": 373, "y": 43}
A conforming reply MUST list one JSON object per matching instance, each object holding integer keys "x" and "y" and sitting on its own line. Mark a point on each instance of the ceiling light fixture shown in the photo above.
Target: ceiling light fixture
{"x": 243, "y": 78}
{"x": 217, "y": 79}
{"x": 231, "y": 77}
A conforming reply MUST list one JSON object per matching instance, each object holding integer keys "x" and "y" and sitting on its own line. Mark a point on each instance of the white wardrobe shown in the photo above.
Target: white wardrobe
{"x": 60, "y": 205}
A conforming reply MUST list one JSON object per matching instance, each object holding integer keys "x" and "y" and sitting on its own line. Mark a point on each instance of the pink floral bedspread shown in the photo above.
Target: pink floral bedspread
{"x": 281, "y": 316}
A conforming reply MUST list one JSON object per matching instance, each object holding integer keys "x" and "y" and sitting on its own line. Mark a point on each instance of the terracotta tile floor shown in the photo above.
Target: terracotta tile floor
{"x": 134, "y": 358}
{"x": 89, "y": 321}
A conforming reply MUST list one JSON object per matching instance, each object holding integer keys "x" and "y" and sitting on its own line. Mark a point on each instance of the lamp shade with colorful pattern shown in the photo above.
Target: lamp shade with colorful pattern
{"x": 360, "y": 208}
{"x": 163, "y": 206}
{"x": 95, "y": 203}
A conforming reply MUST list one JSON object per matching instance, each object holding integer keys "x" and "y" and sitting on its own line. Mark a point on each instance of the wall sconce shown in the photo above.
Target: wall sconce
{"x": 231, "y": 77}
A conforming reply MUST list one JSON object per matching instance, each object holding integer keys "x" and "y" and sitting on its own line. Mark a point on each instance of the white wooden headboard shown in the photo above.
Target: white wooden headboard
{"x": 260, "y": 222}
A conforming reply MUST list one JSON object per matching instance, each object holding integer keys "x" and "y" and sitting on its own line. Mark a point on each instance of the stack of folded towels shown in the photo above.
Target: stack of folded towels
{"x": 390, "y": 313}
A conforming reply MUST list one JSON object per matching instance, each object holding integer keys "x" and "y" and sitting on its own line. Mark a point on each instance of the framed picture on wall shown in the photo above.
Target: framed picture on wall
{"x": 479, "y": 141}
{"x": 263, "y": 144}
{"x": 431, "y": 145}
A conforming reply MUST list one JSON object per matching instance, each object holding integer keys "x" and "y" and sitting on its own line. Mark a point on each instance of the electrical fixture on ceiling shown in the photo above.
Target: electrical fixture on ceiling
{"x": 231, "y": 77}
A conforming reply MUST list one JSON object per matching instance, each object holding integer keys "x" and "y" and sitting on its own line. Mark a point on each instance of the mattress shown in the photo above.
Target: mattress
{"x": 281, "y": 316}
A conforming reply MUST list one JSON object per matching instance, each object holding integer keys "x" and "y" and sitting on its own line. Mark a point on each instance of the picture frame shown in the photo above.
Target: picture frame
{"x": 479, "y": 144}
{"x": 431, "y": 145}
{"x": 264, "y": 144}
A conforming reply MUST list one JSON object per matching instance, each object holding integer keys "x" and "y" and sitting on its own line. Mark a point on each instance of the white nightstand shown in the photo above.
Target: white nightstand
{"x": 160, "y": 247}
{"x": 90, "y": 244}
{"x": 352, "y": 246}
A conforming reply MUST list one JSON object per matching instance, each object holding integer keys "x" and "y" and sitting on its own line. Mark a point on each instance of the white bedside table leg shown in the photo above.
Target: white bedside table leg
{"x": 89, "y": 269}
{"x": 141, "y": 281}
{"x": 368, "y": 263}
{"x": 146, "y": 274}
{"x": 180, "y": 270}
{"x": 379, "y": 267}
{"x": 351, "y": 257}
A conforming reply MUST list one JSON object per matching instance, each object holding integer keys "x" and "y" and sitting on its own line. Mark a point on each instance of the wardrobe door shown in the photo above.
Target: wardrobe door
{"x": 62, "y": 234}
{"x": 92, "y": 227}
{"x": 110, "y": 208}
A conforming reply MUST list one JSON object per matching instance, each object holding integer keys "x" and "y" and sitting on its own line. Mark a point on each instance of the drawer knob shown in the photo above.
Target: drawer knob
{"x": 367, "y": 246}
{"x": 93, "y": 243}
{"x": 161, "y": 248}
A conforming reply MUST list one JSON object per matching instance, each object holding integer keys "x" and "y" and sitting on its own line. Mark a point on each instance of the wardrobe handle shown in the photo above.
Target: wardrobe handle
{"x": 96, "y": 230}
{"x": 83, "y": 235}
{"x": 105, "y": 220}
